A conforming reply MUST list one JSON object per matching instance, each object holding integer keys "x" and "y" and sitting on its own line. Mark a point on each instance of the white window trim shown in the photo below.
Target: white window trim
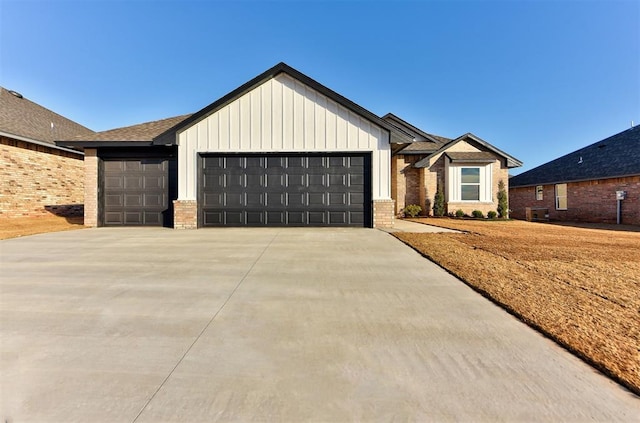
{"x": 539, "y": 193}
{"x": 565, "y": 196}
{"x": 454, "y": 182}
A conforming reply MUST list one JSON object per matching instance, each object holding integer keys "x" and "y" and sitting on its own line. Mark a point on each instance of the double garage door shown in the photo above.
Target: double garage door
{"x": 285, "y": 190}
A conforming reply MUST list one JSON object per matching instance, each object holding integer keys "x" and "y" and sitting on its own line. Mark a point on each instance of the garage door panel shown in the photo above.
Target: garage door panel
{"x": 213, "y": 200}
{"x": 255, "y": 199}
{"x": 276, "y": 218}
{"x": 154, "y": 200}
{"x": 275, "y": 200}
{"x": 133, "y": 218}
{"x": 317, "y": 180}
{"x": 153, "y": 218}
{"x": 255, "y": 180}
{"x": 356, "y": 218}
{"x": 276, "y": 181}
{"x": 337, "y": 199}
{"x": 113, "y": 200}
{"x": 114, "y": 218}
{"x": 316, "y": 199}
{"x": 134, "y": 200}
{"x": 233, "y": 199}
{"x": 255, "y": 218}
{"x": 133, "y": 182}
{"x": 114, "y": 182}
{"x": 296, "y": 199}
{"x": 338, "y": 218}
{"x": 154, "y": 182}
{"x": 287, "y": 189}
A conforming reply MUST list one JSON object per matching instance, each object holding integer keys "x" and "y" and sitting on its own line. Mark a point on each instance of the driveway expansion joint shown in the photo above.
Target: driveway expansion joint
{"x": 204, "y": 329}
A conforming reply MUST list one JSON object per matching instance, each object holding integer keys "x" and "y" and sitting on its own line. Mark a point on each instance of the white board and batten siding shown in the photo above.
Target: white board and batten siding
{"x": 283, "y": 115}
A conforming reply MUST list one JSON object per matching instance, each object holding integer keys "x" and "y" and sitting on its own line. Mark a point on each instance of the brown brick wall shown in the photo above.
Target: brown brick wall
{"x": 406, "y": 182}
{"x": 185, "y": 214}
{"x": 39, "y": 180}
{"x": 383, "y": 213}
{"x": 589, "y": 201}
{"x": 91, "y": 209}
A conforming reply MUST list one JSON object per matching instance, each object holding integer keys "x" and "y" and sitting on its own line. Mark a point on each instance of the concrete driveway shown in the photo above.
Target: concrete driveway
{"x": 159, "y": 325}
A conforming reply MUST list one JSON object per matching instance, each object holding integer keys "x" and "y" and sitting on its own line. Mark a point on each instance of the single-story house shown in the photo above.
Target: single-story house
{"x": 467, "y": 170}
{"x": 281, "y": 149}
{"x": 38, "y": 177}
{"x": 598, "y": 183}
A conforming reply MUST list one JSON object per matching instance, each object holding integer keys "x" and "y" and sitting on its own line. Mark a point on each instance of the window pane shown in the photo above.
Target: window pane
{"x": 470, "y": 175}
{"x": 471, "y": 192}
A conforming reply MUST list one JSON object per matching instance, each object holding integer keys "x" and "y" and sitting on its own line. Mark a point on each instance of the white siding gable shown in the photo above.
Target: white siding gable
{"x": 283, "y": 115}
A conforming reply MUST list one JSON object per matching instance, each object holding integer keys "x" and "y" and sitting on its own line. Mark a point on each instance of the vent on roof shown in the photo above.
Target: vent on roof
{"x": 15, "y": 93}
{"x": 602, "y": 145}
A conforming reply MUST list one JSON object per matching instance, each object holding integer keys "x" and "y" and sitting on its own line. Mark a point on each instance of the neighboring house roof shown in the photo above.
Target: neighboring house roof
{"x": 136, "y": 135}
{"x": 169, "y": 136}
{"x": 511, "y": 161}
{"x": 27, "y": 121}
{"x": 613, "y": 157}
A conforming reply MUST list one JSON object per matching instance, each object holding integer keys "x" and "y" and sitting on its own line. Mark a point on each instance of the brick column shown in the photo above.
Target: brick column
{"x": 383, "y": 211}
{"x": 91, "y": 187}
{"x": 185, "y": 214}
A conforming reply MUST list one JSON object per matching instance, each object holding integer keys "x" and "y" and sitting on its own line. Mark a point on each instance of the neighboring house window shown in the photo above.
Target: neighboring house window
{"x": 470, "y": 184}
{"x": 561, "y": 196}
{"x": 539, "y": 191}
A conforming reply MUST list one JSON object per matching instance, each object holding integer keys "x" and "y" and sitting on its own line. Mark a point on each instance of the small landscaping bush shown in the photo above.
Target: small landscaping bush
{"x": 503, "y": 201}
{"x": 459, "y": 213}
{"x": 438, "y": 204}
{"x": 491, "y": 214}
{"x": 412, "y": 210}
{"x": 477, "y": 214}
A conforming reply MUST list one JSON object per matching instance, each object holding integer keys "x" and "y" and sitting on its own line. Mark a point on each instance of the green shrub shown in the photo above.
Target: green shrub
{"x": 492, "y": 214}
{"x": 503, "y": 201}
{"x": 477, "y": 214}
{"x": 438, "y": 204}
{"x": 412, "y": 210}
{"x": 459, "y": 213}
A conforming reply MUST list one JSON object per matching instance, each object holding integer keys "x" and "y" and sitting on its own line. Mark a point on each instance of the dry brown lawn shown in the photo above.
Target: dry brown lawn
{"x": 579, "y": 286}
{"x": 22, "y": 226}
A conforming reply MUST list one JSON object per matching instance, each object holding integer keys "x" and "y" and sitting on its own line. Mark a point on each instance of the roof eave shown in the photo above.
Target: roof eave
{"x": 567, "y": 181}
{"x": 42, "y": 143}
{"x": 99, "y": 144}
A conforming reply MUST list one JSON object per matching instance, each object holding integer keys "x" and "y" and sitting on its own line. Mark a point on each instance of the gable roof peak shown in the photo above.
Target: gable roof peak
{"x": 169, "y": 136}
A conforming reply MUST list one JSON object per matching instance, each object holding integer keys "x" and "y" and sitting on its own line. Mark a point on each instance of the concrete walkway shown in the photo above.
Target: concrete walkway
{"x": 286, "y": 325}
{"x": 401, "y": 225}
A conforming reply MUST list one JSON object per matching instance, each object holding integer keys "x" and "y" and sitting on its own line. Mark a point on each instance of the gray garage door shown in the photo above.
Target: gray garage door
{"x": 136, "y": 192}
{"x": 285, "y": 190}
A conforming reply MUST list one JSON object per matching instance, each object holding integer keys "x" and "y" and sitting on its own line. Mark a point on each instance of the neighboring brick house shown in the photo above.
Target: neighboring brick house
{"x": 466, "y": 169}
{"x": 280, "y": 150}
{"x": 582, "y": 186}
{"x": 38, "y": 177}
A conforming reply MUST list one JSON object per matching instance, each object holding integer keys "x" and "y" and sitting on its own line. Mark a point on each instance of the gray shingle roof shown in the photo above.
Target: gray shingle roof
{"x": 141, "y": 132}
{"x": 25, "y": 119}
{"x": 616, "y": 156}
{"x": 424, "y": 142}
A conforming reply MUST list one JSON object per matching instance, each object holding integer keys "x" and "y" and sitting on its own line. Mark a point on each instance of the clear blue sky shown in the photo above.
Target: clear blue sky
{"x": 537, "y": 79}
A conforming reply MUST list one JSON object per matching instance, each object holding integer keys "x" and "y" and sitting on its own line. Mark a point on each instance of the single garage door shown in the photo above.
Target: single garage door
{"x": 285, "y": 190}
{"x": 136, "y": 192}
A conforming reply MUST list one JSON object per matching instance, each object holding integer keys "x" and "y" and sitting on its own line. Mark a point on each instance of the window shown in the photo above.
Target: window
{"x": 470, "y": 184}
{"x": 539, "y": 192}
{"x": 561, "y": 196}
